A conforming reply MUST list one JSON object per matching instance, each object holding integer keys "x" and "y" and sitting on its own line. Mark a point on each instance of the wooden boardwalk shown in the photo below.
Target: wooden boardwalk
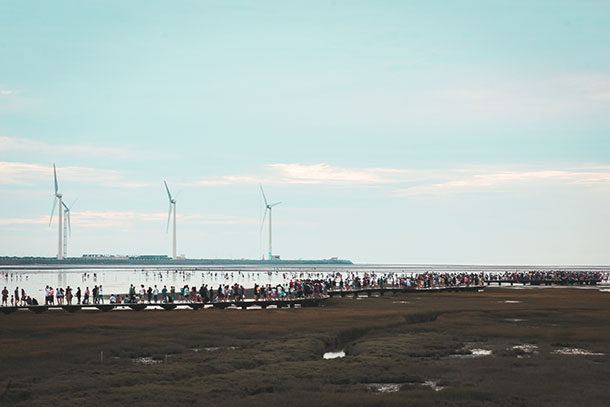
{"x": 244, "y": 304}
{"x": 141, "y": 306}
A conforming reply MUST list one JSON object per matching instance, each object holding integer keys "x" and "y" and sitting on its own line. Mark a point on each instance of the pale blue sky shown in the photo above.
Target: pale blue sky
{"x": 392, "y": 131}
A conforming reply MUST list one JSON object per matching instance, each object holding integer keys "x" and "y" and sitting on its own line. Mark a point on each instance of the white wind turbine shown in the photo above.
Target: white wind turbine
{"x": 58, "y": 196}
{"x": 67, "y": 225}
{"x": 172, "y": 201}
{"x": 268, "y": 208}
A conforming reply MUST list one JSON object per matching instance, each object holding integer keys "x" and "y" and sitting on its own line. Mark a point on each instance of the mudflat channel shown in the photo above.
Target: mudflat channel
{"x": 500, "y": 347}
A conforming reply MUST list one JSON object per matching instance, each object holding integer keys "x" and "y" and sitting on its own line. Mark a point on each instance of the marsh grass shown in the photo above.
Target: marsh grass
{"x": 272, "y": 357}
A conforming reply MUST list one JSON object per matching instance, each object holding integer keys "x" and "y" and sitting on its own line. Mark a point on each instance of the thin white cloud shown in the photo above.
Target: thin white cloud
{"x": 480, "y": 180}
{"x": 415, "y": 181}
{"x": 6, "y": 92}
{"x": 121, "y": 219}
{"x": 296, "y": 173}
{"x": 17, "y": 173}
{"x": 16, "y": 144}
{"x": 326, "y": 173}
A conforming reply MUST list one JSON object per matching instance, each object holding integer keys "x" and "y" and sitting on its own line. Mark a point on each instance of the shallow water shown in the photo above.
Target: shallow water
{"x": 116, "y": 279}
{"x": 334, "y": 355}
{"x": 576, "y": 351}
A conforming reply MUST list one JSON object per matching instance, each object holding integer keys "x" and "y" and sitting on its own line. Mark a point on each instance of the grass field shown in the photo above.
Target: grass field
{"x": 416, "y": 347}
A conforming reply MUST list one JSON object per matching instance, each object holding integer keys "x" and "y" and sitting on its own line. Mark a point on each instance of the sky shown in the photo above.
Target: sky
{"x": 473, "y": 132}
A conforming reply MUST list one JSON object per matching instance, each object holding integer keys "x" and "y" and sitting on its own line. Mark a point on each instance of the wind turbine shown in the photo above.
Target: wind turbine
{"x": 268, "y": 207}
{"x": 172, "y": 201}
{"x": 67, "y": 225}
{"x": 58, "y": 196}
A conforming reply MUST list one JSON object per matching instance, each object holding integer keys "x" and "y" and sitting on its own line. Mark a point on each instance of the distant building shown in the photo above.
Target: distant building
{"x": 105, "y": 256}
{"x": 150, "y": 257}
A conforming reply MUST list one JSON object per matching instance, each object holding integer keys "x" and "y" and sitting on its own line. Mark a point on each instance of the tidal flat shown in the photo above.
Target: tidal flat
{"x": 500, "y": 347}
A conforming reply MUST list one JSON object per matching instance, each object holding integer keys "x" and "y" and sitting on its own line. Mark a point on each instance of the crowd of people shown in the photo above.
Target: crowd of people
{"x": 392, "y": 280}
{"x": 294, "y": 287}
{"x": 550, "y": 276}
{"x": 17, "y": 298}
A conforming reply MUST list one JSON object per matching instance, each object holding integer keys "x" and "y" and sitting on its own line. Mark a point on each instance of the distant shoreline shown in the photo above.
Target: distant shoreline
{"x": 142, "y": 261}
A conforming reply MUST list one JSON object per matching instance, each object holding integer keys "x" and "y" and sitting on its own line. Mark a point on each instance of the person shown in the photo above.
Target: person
{"x": 100, "y": 294}
{"x": 149, "y": 293}
{"x": 78, "y": 295}
{"x": 112, "y": 299}
{"x": 156, "y": 294}
{"x": 68, "y": 295}
{"x": 132, "y": 293}
{"x": 4, "y": 296}
{"x": 86, "y": 298}
{"x": 23, "y": 297}
{"x": 164, "y": 293}
{"x": 17, "y": 296}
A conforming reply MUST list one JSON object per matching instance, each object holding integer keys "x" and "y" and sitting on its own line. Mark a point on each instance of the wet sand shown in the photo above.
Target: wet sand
{"x": 497, "y": 347}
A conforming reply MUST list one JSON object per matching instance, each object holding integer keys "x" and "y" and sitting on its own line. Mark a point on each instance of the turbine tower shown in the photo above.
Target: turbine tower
{"x": 58, "y": 197}
{"x": 67, "y": 225}
{"x": 268, "y": 208}
{"x": 172, "y": 201}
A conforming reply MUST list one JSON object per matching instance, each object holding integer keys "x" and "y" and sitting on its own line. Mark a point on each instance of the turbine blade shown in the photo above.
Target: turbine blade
{"x": 263, "y": 222}
{"x": 53, "y": 210}
{"x": 65, "y": 206}
{"x": 277, "y": 203}
{"x": 168, "y": 193}
{"x": 169, "y": 216}
{"x": 55, "y": 178}
{"x": 264, "y": 197}
{"x": 73, "y": 204}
